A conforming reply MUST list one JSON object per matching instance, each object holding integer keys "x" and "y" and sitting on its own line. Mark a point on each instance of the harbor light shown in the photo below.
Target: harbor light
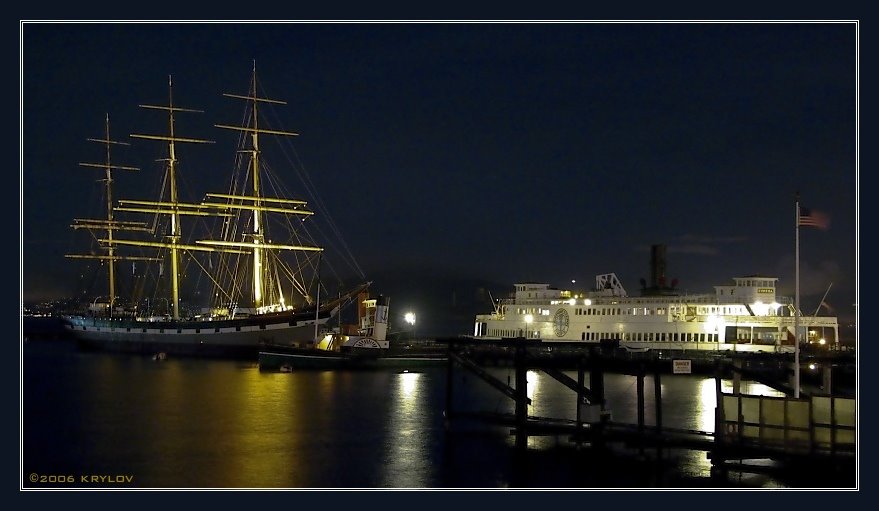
{"x": 409, "y": 317}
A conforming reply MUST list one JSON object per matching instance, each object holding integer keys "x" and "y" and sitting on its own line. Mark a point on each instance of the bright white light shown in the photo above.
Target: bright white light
{"x": 529, "y": 318}
{"x": 812, "y": 366}
{"x": 409, "y": 318}
{"x": 572, "y": 301}
{"x": 822, "y": 341}
{"x": 713, "y": 323}
{"x": 587, "y": 302}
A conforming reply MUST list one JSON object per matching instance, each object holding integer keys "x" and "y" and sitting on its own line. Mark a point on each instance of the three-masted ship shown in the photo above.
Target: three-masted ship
{"x": 258, "y": 296}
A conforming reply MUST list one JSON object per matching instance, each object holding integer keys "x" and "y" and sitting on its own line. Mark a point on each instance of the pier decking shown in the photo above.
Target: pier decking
{"x": 819, "y": 428}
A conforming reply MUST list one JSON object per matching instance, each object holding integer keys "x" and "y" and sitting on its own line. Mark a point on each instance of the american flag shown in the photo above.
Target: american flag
{"x": 813, "y": 218}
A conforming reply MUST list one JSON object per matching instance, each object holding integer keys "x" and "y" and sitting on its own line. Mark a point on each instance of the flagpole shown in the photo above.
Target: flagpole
{"x": 797, "y": 304}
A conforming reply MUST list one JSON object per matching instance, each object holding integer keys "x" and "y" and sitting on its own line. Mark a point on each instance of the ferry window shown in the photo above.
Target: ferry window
{"x": 583, "y": 336}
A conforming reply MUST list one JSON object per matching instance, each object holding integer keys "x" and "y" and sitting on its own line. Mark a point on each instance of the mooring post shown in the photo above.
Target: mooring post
{"x": 521, "y": 396}
{"x": 596, "y": 384}
{"x": 717, "y": 454}
{"x": 640, "y": 389}
{"x": 657, "y": 402}
{"x": 827, "y": 380}
{"x": 737, "y": 376}
{"x": 580, "y": 381}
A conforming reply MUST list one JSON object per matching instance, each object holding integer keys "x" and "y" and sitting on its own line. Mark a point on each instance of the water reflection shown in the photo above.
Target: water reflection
{"x": 215, "y": 424}
{"x": 407, "y": 461}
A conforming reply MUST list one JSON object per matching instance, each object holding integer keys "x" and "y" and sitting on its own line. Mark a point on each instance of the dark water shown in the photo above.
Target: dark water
{"x": 126, "y": 421}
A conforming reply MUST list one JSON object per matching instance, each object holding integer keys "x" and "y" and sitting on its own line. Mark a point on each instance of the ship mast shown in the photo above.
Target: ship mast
{"x": 255, "y": 201}
{"x": 109, "y": 225}
{"x": 174, "y": 208}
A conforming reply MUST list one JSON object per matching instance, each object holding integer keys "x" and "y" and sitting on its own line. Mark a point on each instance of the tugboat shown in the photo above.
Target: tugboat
{"x": 367, "y": 348}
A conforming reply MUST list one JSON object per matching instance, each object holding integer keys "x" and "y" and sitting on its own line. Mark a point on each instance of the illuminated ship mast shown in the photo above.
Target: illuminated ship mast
{"x": 173, "y": 207}
{"x": 108, "y": 225}
{"x": 259, "y": 204}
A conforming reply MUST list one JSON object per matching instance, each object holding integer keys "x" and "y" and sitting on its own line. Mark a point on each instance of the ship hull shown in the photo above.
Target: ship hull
{"x": 229, "y": 339}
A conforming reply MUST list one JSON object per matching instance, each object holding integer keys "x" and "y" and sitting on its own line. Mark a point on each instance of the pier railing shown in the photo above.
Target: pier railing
{"x": 815, "y": 425}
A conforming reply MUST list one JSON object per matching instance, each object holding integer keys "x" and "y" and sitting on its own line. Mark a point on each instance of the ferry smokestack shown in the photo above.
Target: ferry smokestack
{"x": 657, "y": 266}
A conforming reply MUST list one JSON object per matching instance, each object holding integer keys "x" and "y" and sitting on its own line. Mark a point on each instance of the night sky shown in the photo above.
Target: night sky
{"x": 485, "y": 153}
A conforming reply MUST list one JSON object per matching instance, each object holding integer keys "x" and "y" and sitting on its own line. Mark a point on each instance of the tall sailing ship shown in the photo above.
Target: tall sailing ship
{"x": 263, "y": 268}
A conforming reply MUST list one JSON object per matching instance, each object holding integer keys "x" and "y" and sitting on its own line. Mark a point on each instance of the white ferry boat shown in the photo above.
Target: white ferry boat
{"x": 745, "y": 316}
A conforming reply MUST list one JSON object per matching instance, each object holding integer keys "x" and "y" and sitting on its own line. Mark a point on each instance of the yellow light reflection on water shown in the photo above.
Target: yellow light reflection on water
{"x": 407, "y": 465}
{"x": 408, "y": 383}
{"x": 532, "y": 385}
{"x": 265, "y": 414}
{"x": 706, "y": 405}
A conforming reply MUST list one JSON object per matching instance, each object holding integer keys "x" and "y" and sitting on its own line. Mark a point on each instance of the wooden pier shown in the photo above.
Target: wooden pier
{"x": 817, "y": 429}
